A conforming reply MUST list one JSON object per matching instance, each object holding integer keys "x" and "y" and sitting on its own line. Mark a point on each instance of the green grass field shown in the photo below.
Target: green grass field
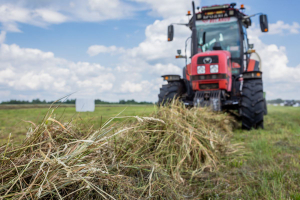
{"x": 268, "y": 167}
{"x": 13, "y": 120}
{"x": 271, "y": 165}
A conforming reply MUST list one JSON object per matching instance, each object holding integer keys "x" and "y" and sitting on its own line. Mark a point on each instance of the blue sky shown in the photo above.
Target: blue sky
{"x": 116, "y": 49}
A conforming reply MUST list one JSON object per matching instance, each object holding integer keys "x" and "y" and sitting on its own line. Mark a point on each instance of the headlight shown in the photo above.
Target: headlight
{"x": 214, "y": 68}
{"x": 201, "y": 69}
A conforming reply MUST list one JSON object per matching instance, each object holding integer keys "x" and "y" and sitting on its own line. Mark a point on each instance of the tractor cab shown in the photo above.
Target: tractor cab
{"x": 224, "y": 27}
{"x": 213, "y": 35}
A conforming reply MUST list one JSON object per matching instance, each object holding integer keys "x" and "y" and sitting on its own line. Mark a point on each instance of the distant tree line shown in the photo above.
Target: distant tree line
{"x": 279, "y": 101}
{"x": 72, "y": 101}
{"x": 99, "y": 101}
{"x": 34, "y": 101}
{"x": 132, "y": 101}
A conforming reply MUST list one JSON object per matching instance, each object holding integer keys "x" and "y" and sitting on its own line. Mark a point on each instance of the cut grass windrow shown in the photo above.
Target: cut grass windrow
{"x": 164, "y": 156}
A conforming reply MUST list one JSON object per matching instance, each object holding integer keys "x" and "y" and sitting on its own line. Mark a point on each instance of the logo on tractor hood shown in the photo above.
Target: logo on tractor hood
{"x": 207, "y": 60}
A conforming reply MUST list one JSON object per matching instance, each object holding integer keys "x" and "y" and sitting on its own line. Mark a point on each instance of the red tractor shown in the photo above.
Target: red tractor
{"x": 221, "y": 74}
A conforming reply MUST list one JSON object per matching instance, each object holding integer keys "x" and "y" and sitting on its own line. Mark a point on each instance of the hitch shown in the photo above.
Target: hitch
{"x": 208, "y": 99}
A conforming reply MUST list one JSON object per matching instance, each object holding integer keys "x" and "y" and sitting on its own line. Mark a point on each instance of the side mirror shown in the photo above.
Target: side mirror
{"x": 264, "y": 26}
{"x": 170, "y": 33}
{"x": 179, "y": 51}
{"x": 251, "y": 46}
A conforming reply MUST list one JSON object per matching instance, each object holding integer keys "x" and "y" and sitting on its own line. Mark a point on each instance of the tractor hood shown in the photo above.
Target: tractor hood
{"x": 220, "y": 58}
{"x": 211, "y": 70}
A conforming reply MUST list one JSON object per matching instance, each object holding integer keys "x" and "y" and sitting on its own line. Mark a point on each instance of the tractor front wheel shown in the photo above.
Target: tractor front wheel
{"x": 170, "y": 91}
{"x": 252, "y": 104}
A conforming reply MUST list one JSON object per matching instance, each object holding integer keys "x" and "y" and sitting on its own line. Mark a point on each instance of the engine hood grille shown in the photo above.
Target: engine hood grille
{"x": 202, "y": 60}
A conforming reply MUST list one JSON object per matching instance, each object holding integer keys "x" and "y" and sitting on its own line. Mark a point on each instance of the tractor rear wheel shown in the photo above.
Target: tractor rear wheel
{"x": 253, "y": 104}
{"x": 170, "y": 91}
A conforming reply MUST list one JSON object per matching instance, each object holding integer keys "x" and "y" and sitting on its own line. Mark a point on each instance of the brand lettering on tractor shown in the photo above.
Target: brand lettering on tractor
{"x": 217, "y": 20}
{"x": 207, "y": 60}
{"x": 215, "y": 16}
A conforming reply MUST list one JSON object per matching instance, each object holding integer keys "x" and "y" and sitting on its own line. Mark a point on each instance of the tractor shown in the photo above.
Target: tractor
{"x": 223, "y": 71}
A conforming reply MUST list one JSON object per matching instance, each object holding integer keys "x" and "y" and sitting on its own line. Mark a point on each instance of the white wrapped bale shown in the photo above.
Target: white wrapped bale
{"x": 85, "y": 105}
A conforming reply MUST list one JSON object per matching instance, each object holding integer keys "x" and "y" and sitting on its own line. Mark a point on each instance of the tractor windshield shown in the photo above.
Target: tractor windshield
{"x": 223, "y": 34}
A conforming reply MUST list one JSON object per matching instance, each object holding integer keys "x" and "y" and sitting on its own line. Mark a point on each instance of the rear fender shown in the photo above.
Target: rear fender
{"x": 253, "y": 65}
{"x": 188, "y": 83}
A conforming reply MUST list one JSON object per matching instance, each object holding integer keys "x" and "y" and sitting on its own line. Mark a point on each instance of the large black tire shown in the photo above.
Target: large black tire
{"x": 253, "y": 104}
{"x": 170, "y": 91}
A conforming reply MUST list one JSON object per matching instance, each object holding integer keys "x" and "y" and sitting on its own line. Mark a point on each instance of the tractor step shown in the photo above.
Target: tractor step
{"x": 208, "y": 99}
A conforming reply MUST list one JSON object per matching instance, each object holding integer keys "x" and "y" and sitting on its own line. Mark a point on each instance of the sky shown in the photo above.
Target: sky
{"x": 118, "y": 49}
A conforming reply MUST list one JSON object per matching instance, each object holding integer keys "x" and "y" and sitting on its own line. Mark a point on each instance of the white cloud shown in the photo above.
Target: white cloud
{"x": 131, "y": 87}
{"x": 153, "y": 57}
{"x": 35, "y": 71}
{"x": 160, "y": 69}
{"x": 97, "y": 49}
{"x": 4, "y": 93}
{"x": 139, "y": 72}
{"x": 6, "y": 74}
{"x": 122, "y": 69}
{"x": 31, "y": 73}
{"x": 280, "y": 27}
{"x": 2, "y": 36}
{"x": 9, "y": 12}
{"x": 45, "y": 13}
{"x": 33, "y": 81}
{"x": 12, "y": 14}
{"x": 72, "y": 4}
{"x": 155, "y": 48}
{"x": 145, "y": 87}
{"x": 280, "y": 79}
{"x": 156, "y": 45}
{"x": 51, "y": 16}
{"x": 10, "y": 26}
{"x": 104, "y": 6}
{"x": 99, "y": 10}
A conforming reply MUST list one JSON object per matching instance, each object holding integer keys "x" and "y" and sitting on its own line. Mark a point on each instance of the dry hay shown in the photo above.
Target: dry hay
{"x": 162, "y": 156}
